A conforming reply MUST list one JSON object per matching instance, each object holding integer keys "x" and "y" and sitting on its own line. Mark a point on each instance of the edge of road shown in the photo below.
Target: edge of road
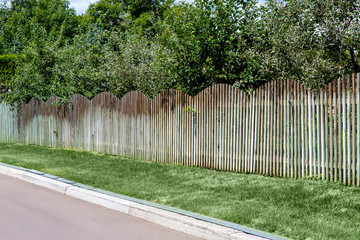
{"x": 184, "y": 221}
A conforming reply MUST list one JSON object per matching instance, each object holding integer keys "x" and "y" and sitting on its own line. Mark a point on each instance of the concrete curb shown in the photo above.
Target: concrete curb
{"x": 187, "y": 222}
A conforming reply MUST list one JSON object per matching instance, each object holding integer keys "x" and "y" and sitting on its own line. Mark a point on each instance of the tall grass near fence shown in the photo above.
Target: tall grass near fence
{"x": 281, "y": 129}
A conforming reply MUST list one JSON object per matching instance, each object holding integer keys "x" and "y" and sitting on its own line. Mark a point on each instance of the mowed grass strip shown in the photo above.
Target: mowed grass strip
{"x": 294, "y": 208}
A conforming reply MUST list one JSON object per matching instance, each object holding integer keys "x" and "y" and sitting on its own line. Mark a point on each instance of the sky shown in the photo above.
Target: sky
{"x": 81, "y": 5}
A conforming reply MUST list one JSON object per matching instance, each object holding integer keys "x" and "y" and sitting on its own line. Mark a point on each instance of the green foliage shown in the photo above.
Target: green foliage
{"x": 191, "y": 110}
{"x": 136, "y": 64}
{"x": 40, "y": 73}
{"x": 32, "y": 79}
{"x": 93, "y": 62}
{"x": 24, "y": 20}
{"x": 78, "y": 66}
{"x": 124, "y": 14}
{"x": 139, "y": 7}
{"x": 108, "y": 14}
{"x": 7, "y": 67}
{"x": 125, "y": 45}
{"x": 4, "y": 15}
{"x": 309, "y": 40}
{"x": 209, "y": 41}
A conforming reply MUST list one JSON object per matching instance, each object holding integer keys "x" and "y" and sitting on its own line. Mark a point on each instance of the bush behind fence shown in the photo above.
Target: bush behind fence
{"x": 281, "y": 129}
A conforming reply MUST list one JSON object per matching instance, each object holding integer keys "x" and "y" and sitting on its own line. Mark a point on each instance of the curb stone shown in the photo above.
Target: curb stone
{"x": 180, "y": 220}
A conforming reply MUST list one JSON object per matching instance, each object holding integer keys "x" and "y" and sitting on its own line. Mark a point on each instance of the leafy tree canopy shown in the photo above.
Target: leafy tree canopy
{"x": 26, "y": 20}
{"x": 7, "y": 67}
{"x": 151, "y": 45}
{"x": 210, "y": 41}
{"x": 312, "y": 41}
{"x": 122, "y": 14}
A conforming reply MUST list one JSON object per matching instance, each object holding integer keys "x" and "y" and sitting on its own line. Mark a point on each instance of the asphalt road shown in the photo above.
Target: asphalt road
{"x": 30, "y": 212}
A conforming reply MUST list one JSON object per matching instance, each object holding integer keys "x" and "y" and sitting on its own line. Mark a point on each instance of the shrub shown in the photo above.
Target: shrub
{"x": 7, "y": 67}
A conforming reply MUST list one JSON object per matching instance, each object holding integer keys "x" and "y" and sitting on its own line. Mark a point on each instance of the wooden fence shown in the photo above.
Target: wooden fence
{"x": 281, "y": 129}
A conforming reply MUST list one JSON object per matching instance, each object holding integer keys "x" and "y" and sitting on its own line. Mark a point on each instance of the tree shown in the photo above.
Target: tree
{"x": 7, "y": 68}
{"x": 121, "y": 14}
{"x": 311, "y": 41}
{"x": 24, "y": 18}
{"x": 156, "y": 7}
{"x": 339, "y": 23}
{"x": 124, "y": 45}
{"x": 107, "y": 13}
{"x": 48, "y": 69}
{"x": 209, "y": 41}
{"x": 92, "y": 62}
{"x": 138, "y": 63}
{"x": 4, "y": 15}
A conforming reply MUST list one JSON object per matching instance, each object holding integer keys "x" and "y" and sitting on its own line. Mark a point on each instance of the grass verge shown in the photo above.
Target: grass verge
{"x": 294, "y": 208}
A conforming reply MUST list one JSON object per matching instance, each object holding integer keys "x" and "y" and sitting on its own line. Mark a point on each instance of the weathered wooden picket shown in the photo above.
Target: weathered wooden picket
{"x": 281, "y": 129}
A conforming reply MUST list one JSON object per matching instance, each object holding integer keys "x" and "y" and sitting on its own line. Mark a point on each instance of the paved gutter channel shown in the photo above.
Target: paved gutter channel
{"x": 226, "y": 230}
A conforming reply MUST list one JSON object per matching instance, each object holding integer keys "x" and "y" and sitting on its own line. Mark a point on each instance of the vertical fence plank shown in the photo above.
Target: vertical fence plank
{"x": 176, "y": 128}
{"x": 280, "y": 127}
{"x": 271, "y": 130}
{"x": 210, "y": 130}
{"x": 252, "y": 132}
{"x": 335, "y": 126}
{"x": 299, "y": 132}
{"x": 221, "y": 126}
{"x": 285, "y": 139}
{"x": 303, "y": 133}
{"x": 322, "y": 134}
{"x": 217, "y": 127}
{"x": 292, "y": 127}
{"x": 276, "y": 127}
{"x": 199, "y": 123}
{"x": 262, "y": 132}
{"x": 295, "y": 130}
{"x": 318, "y": 134}
{"x": 344, "y": 130}
{"x": 259, "y": 132}
{"x": 244, "y": 131}
{"x": 225, "y": 127}
{"x": 236, "y": 125}
{"x": 261, "y": 129}
{"x": 352, "y": 131}
{"x": 213, "y": 126}
{"x": 311, "y": 133}
{"x": 266, "y": 127}
{"x": 340, "y": 132}
{"x": 331, "y": 133}
{"x": 281, "y": 119}
{"x": 358, "y": 127}
{"x": 232, "y": 106}
{"x": 308, "y": 132}
{"x": 232, "y": 111}
{"x": 194, "y": 132}
{"x": 348, "y": 129}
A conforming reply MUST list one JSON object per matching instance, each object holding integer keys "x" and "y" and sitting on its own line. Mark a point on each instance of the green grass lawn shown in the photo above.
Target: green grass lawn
{"x": 294, "y": 208}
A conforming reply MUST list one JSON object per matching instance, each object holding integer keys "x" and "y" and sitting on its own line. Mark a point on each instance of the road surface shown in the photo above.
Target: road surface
{"x": 30, "y": 212}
